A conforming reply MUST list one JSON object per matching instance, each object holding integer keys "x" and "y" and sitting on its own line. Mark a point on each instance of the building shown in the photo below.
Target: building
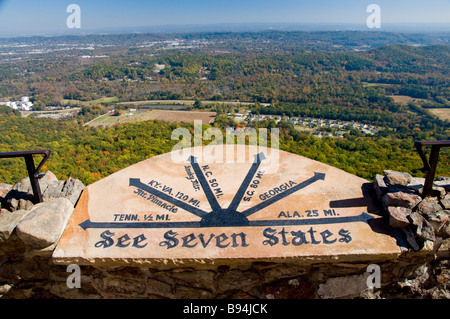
{"x": 24, "y": 104}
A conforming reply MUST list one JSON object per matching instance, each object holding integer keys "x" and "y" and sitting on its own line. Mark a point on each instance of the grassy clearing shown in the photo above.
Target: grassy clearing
{"x": 101, "y": 100}
{"x": 443, "y": 114}
{"x": 404, "y": 99}
{"x": 164, "y": 115}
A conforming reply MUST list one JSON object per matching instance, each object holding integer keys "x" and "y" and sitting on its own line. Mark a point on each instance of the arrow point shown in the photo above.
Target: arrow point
{"x": 85, "y": 224}
{"x": 319, "y": 176}
{"x": 192, "y": 159}
{"x": 260, "y": 157}
{"x": 366, "y": 217}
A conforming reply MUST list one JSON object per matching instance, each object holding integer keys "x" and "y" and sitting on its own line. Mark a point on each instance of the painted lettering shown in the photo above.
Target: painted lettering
{"x": 192, "y": 240}
{"x": 276, "y": 190}
{"x": 310, "y": 236}
{"x": 122, "y": 241}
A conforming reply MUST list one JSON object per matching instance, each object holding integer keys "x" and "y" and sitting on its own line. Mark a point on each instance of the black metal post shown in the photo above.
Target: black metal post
{"x": 33, "y": 178}
{"x": 430, "y": 166}
{"x": 32, "y": 171}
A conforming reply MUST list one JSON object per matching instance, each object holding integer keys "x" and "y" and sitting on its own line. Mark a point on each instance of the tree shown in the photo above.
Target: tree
{"x": 197, "y": 104}
{"x": 118, "y": 112}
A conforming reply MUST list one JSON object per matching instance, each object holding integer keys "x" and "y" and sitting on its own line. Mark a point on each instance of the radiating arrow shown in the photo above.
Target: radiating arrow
{"x": 364, "y": 217}
{"x": 212, "y": 200}
{"x": 270, "y": 201}
{"x": 90, "y": 224}
{"x": 136, "y": 182}
{"x": 241, "y": 191}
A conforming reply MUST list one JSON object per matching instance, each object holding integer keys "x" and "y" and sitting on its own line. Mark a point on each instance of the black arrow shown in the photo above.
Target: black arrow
{"x": 270, "y": 201}
{"x": 364, "y": 217}
{"x": 241, "y": 191}
{"x": 191, "y": 209}
{"x": 89, "y": 224}
{"x": 212, "y": 200}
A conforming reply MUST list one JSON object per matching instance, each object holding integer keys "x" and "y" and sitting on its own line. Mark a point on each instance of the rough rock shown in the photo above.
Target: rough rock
{"x": 123, "y": 286}
{"x": 53, "y": 190}
{"x": 429, "y": 206}
{"x": 397, "y": 178}
{"x": 419, "y": 276}
{"x": 8, "y": 222}
{"x": 380, "y": 186}
{"x": 16, "y": 200}
{"x": 410, "y": 238}
{"x": 445, "y": 229}
{"x": 398, "y": 217}
{"x": 438, "y": 191}
{"x": 185, "y": 292}
{"x": 44, "y": 180}
{"x": 70, "y": 189}
{"x": 445, "y": 183}
{"x": 444, "y": 248}
{"x": 401, "y": 199}
{"x": 445, "y": 202}
{"x": 424, "y": 229}
{"x": 23, "y": 186}
{"x": 21, "y": 195}
{"x": 4, "y": 189}
{"x": 343, "y": 287}
{"x": 438, "y": 219}
{"x": 5, "y": 186}
{"x": 237, "y": 279}
{"x": 45, "y": 223}
{"x": 417, "y": 184}
{"x": 156, "y": 287}
{"x": 289, "y": 288}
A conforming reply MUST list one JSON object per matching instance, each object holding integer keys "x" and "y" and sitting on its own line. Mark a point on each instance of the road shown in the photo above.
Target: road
{"x": 191, "y": 102}
{"x": 27, "y": 113}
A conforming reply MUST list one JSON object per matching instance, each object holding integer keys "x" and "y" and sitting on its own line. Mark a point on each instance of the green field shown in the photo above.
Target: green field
{"x": 113, "y": 99}
{"x": 147, "y": 115}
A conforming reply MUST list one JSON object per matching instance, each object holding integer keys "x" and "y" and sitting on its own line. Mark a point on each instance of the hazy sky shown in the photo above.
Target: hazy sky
{"x": 30, "y": 17}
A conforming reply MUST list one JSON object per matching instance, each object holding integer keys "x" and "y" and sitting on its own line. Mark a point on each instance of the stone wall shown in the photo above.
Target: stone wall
{"x": 29, "y": 233}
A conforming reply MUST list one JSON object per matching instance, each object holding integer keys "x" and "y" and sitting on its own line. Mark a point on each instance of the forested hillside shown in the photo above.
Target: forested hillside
{"x": 92, "y": 153}
{"x": 341, "y": 76}
{"x": 336, "y": 85}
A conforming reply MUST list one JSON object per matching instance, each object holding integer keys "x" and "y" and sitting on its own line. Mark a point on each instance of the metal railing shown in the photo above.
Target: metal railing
{"x": 33, "y": 171}
{"x": 430, "y": 165}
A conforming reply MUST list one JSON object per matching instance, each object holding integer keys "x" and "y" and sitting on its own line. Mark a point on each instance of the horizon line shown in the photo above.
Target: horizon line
{"x": 262, "y": 26}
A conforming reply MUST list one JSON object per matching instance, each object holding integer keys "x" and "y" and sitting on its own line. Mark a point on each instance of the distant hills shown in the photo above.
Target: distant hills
{"x": 435, "y": 28}
{"x": 265, "y": 39}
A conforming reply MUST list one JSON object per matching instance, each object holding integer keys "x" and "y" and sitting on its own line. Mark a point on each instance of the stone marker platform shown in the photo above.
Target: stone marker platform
{"x": 225, "y": 205}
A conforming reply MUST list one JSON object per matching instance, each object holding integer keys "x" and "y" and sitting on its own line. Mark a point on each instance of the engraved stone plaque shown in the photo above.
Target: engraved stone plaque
{"x": 225, "y": 204}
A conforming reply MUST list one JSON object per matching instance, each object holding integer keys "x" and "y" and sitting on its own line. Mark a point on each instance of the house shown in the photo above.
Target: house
{"x": 24, "y": 104}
